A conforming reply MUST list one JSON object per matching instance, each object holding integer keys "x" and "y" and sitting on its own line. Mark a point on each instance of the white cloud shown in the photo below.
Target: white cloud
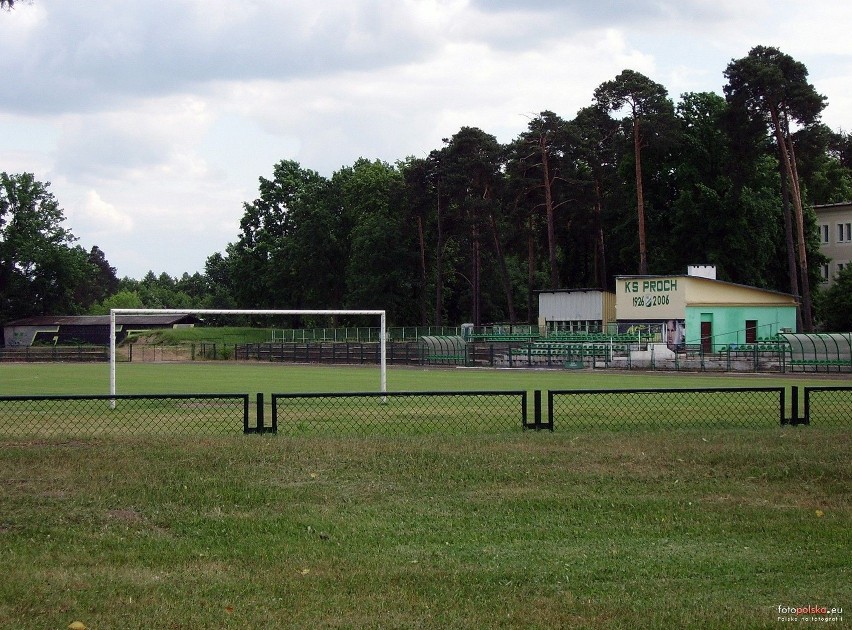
{"x": 154, "y": 118}
{"x": 129, "y": 142}
{"x": 103, "y": 217}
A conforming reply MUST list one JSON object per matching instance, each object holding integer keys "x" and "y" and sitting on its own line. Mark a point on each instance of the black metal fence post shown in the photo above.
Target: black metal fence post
{"x": 794, "y": 407}
{"x": 550, "y": 409}
{"x": 259, "y": 428}
{"x": 274, "y": 402}
{"x": 537, "y": 409}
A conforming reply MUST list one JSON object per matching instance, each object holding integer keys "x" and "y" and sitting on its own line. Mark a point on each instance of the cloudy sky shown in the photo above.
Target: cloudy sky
{"x": 153, "y": 119}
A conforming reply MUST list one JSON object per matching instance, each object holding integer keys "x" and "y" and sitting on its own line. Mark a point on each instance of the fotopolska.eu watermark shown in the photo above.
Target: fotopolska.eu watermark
{"x": 810, "y": 614}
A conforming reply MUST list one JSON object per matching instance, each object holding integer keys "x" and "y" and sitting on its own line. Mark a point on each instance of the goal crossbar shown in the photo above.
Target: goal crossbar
{"x": 183, "y": 311}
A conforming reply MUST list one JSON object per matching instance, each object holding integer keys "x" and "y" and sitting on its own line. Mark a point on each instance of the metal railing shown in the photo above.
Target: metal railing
{"x": 617, "y": 353}
{"x": 333, "y": 353}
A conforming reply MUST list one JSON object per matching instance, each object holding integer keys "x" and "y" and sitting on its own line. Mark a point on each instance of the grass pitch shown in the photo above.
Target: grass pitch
{"x": 232, "y": 377}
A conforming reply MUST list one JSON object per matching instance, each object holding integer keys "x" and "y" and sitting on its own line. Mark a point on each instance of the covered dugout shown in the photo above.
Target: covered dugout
{"x": 443, "y": 350}
{"x": 820, "y": 352}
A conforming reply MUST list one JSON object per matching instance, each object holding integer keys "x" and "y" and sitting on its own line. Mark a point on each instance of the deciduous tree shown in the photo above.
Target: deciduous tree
{"x": 379, "y": 265}
{"x": 836, "y": 303}
{"x": 40, "y": 268}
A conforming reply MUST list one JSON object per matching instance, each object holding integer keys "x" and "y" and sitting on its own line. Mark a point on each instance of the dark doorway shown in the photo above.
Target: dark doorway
{"x": 707, "y": 336}
{"x": 751, "y": 331}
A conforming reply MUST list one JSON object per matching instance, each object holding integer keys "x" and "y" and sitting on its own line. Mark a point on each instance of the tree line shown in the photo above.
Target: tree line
{"x": 632, "y": 184}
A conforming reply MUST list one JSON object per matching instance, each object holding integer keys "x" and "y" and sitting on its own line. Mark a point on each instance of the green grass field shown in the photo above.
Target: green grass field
{"x": 404, "y": 415}
{"x": 593, "y": 529}
{"x": 232, "y": 377}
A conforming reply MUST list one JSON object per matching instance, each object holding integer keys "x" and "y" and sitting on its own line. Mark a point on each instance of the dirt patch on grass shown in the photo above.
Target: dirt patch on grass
{"x": 49, "y": 443}
{"x": 125, "y": 515}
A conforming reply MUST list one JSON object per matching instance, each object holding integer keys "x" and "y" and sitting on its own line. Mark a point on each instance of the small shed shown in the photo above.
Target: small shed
{"x": 575, "y": 310}
{"x": 84, "y": 329}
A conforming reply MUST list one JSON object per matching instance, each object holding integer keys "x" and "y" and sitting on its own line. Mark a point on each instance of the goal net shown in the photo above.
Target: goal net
{"x": 201, "y": 312}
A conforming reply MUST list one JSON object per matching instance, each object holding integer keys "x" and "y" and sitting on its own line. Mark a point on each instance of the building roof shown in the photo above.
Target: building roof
{"x": 712, "y": 280}
{"x": 103, "y": 320}
{"x": 826, "y": 206}
{"x": 589, "y": 290}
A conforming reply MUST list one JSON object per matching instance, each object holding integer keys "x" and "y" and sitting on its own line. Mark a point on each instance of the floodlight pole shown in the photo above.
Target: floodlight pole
{"x": 383, "y": 379}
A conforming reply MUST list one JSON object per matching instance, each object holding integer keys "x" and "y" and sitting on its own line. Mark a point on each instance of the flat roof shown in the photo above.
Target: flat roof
{"x": 838, "y": 204}
{"x": 102, "y": 320}
{"x": 572, "y": 291}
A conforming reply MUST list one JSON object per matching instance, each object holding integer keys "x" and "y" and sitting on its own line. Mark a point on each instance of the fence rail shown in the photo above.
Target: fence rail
{"x": 406, "y": 413}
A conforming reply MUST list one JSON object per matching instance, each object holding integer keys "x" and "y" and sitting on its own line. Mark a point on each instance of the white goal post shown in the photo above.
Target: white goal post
{"x": 383, "y": 382}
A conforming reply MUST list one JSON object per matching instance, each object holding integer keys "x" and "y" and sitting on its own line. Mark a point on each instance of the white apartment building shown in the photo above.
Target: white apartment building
{"x": 834, "y": 222}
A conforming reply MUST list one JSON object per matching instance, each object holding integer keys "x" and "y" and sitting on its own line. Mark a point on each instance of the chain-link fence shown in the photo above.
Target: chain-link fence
{"x": 407, "y": 413}
{"x": 399, "y": 413}
{"x": 190, "y": 414}
{"x": 667, "y": 408}
{"x": 828, "y": 406}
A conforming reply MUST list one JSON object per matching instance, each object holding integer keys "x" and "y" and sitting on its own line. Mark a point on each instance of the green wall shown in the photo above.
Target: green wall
{"x": 729, "y": 322}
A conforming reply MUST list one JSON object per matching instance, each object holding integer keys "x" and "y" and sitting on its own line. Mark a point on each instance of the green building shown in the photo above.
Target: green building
{"x": 698, "y": 309}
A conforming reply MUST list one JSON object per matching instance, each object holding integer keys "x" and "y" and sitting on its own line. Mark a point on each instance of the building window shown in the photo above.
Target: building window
{"x": 844, "y": 232}
{"x": 841, "y": 267}
{"x": 824, "y": 272}
{"x": 823, "y": 233}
